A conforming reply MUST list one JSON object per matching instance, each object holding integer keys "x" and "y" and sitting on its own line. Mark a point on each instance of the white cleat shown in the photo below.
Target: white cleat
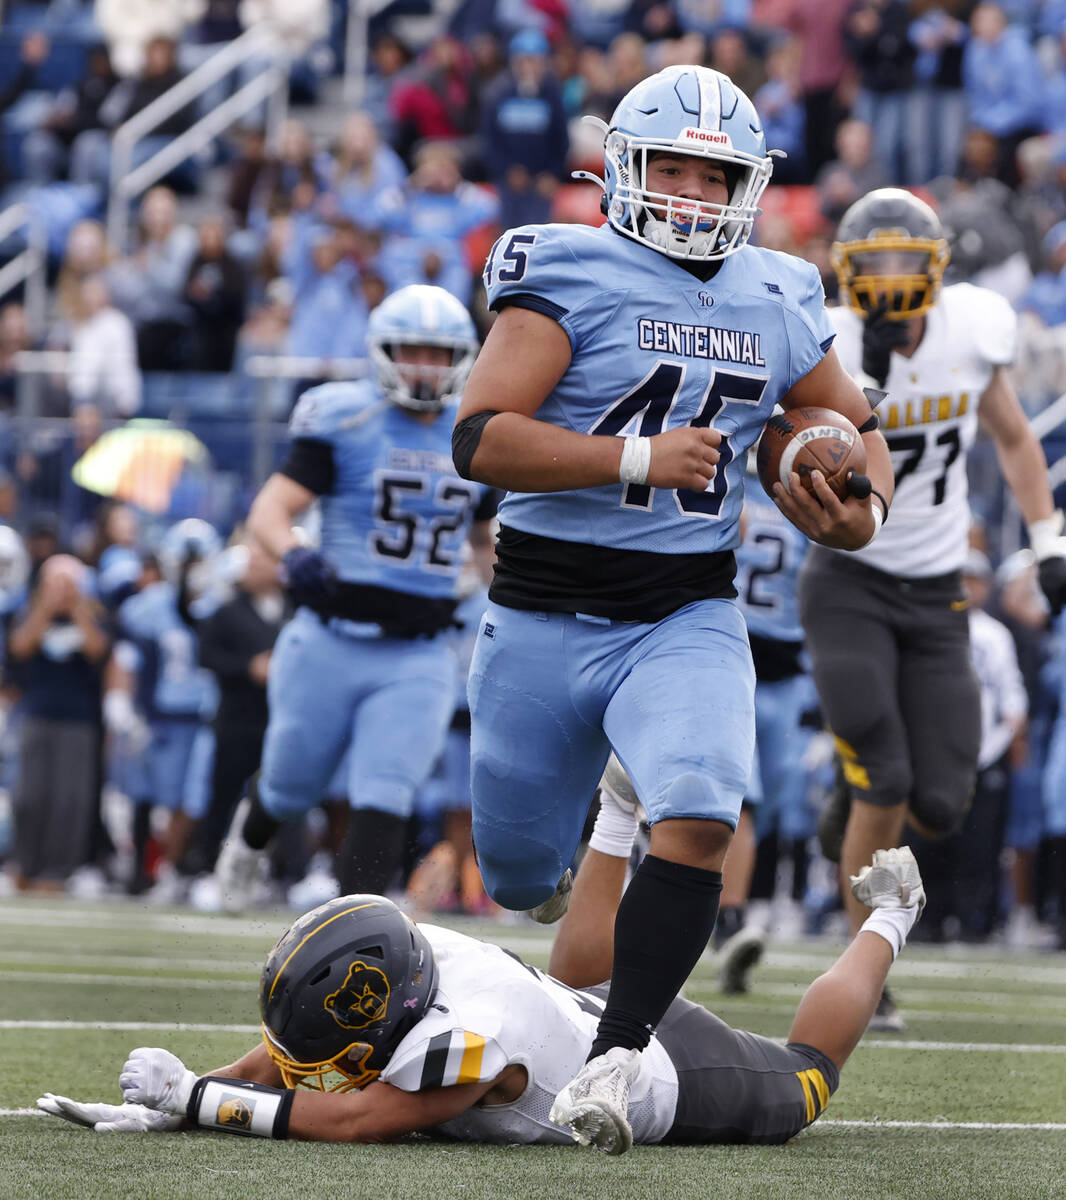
{"x": 594, "y": 1104}
{"x": 239, "y": 869}
{"x": 616, "y": 783}
{"x": 891, "y": 881}
{"x": 553, "y": 909}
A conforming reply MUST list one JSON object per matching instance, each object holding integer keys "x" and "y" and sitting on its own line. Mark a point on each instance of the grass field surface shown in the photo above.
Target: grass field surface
{"x": 969, "y": 1103}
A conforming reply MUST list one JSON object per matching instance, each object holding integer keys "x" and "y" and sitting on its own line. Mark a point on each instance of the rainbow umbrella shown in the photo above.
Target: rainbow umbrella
{"x": 139, "y": 462}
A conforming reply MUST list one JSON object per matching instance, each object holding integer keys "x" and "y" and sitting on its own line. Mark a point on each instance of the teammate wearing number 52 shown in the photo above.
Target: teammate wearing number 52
{"x": 628, "y": 372}
{"x": 364, "y": 664}
{"x": 887, "y": 628}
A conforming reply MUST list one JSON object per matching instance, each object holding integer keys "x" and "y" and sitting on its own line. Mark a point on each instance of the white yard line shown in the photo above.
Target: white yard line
{"x": 131, "y": 1026}
{"x": 1055, "y": 1126}
{"x": 945, "y": 1126}
{"x": 220, "y": 965}
{"x": 154, "y": 981}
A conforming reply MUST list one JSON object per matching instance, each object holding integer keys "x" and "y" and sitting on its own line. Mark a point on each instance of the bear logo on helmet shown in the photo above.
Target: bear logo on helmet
{"x": 362, "y": 999}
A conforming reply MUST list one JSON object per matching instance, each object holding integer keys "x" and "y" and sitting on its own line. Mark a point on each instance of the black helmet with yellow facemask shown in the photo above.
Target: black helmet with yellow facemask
{"x": 341, "y": 990}
{"x": 889, "y": 255}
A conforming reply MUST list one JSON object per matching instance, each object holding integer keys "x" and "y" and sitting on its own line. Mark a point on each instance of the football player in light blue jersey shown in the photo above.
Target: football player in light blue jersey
{"x": 365, "y": 661}
{"x": 628, "y": 372}
{"x": 768, "y": 562}
{"x": 175, "y": 696}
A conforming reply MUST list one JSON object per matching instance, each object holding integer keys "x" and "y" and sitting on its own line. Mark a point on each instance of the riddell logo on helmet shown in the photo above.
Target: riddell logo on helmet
{"x": 707, "y": 136}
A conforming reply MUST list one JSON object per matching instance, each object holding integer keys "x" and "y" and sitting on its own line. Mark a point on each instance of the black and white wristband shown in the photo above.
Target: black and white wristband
{"x": 237, "y": 1106}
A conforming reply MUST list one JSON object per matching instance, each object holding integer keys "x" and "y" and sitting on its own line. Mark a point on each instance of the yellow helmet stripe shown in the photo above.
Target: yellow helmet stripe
{"x": 308, "y": 936}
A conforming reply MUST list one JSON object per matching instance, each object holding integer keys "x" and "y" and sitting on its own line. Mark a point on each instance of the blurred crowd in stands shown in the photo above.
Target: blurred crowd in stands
{"x": 277, "y": 242}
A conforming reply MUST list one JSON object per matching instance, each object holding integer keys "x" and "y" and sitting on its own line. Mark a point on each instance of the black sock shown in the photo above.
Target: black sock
{"x": 259, "y": 826}
{"x": 142, "y": 829}
{"x": 663, "y": 923}
{"x": 730, "y": 920}
{"x": 372, "y": 851}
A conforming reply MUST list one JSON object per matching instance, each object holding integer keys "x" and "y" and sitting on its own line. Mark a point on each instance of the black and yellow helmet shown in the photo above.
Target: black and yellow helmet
{"x": 340, "y": 991}
{"x": 890, "y": 249}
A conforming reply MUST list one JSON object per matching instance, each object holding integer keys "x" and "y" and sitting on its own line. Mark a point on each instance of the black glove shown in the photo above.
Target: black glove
{"x": 1052, "y": 575}
{"x": 880, "y": 337}
{"x": 309, "y": 576}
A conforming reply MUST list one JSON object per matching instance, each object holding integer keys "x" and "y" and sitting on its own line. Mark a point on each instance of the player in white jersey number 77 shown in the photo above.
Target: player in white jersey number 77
{"x": 887, "y": 627}
{"x": 374, "y": 1027}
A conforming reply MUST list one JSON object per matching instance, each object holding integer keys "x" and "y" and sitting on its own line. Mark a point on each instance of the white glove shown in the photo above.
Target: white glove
{"x": 109, "y": 1118}
{"x": 157, "y": 1078}
{"x": 891, "y": 881}
{"x": 122, "y": 720}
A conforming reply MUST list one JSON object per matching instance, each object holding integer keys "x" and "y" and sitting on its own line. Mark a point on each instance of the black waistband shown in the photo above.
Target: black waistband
{"x": 400, "y": 614}
{"x": 543, "y": 574}
{"x": 819, "y": 556}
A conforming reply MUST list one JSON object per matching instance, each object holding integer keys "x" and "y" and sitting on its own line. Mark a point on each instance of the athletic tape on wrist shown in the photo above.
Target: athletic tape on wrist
{"x": 237, "y": 1106}
{"x": 1045, "y": 536}
{"x": 636, "y": 460}
{"x": 879, "y": 520}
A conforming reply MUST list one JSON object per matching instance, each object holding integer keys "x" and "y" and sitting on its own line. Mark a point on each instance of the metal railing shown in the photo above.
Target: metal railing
{"x": 28, "y": 266}
{"x": 270, "y": 85}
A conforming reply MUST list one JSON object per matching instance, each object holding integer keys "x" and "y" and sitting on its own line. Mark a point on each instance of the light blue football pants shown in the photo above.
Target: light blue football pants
{"x": 551, "y": 693}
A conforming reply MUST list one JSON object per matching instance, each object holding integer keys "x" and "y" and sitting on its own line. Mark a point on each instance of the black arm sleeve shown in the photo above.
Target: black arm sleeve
{"x": 466, "y": 437}
{"x": 310, "y": 464}
{"x": 488, "y": 505}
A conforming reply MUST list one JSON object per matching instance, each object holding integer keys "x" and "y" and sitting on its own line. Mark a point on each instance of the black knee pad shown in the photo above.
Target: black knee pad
{"x": 941, "y": 812}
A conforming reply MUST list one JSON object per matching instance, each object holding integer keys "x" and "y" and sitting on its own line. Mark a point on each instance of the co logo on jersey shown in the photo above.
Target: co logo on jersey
{"x": 362, "y": 999}
{"x": 706, "y": 300}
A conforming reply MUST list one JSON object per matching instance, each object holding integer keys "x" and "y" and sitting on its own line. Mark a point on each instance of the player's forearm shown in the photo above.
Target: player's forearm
{"x": 256, "y": 1066}
{"x": 1024, "y": 468}
{"x": 521, "y": 454}
{"x": 270, "y": 522}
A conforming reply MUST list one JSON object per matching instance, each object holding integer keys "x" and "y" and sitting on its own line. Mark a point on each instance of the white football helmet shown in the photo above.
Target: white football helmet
{"x": 421, "y": 315}
{"x": 685, "y": 110}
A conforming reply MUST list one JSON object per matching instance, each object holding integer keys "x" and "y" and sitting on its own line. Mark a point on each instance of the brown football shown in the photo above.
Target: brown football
{"x": 810, "y": 439}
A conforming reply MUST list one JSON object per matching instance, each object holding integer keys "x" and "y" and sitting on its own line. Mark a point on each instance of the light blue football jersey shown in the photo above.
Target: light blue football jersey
{"x": 398, "y": 514}
{"x": 654, "y": 348}
{"x": 170, "y": 680}
{"x": 768, "y": 563}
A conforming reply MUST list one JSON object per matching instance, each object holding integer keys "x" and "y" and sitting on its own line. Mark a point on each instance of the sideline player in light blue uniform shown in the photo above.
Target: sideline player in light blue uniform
{"x": 365, "y": 660}
{"x": 176, "y": 696}
{"x": 616, "y": 396}
{"x": 768, "y": 562}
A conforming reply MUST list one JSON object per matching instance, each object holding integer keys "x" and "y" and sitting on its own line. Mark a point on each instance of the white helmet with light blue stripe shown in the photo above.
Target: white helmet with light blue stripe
{"x": 695, "y": 111}
{"x": 421, "y": 315}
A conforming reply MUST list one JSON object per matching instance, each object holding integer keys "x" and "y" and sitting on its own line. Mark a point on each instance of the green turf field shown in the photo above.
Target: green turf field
{"x": 969, "y": 1103}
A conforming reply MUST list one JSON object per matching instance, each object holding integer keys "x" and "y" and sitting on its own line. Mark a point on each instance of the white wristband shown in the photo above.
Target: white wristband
{"x": 636, "y": 460}
{"x": 879, "y": 520}
{"x": 1045, "y": 537}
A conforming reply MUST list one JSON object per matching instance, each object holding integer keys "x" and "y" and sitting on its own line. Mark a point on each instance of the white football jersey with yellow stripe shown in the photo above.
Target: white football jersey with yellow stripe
{"x": 929, "y": 418}
{"x": 492, "y": 1010}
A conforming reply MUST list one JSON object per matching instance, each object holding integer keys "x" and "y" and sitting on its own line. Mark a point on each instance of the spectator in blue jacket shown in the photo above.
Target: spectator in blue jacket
{"x": 778, "y": 103}
{"x": 1046, "y": 297}
{"x": 426, "y": 221}
{"x": 524, "y": 134}
{"x": 1004, "y": 83}
{"x": 329, "y": 312}
{"x": 1055, "y": 88}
